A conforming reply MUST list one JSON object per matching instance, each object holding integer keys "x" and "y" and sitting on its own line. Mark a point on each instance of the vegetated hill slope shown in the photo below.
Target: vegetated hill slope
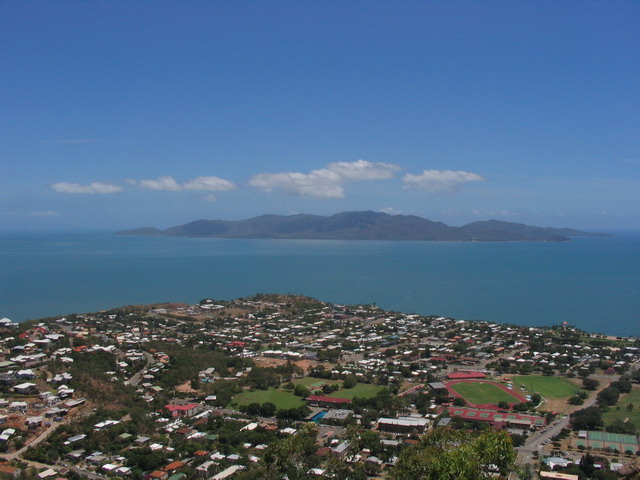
{"x": 362, "y": 226}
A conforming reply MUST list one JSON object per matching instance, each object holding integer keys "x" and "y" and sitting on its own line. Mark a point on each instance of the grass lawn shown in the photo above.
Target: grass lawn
{"x": 279, "y": 398}
{"x": 362, "y": 390}
{"x": 307, "y": 381}
{"x": 283, "y": 399}
{"x": 482, "y": 393}
{"x": 623, "y": 414}
{"x": 547, "y": 386}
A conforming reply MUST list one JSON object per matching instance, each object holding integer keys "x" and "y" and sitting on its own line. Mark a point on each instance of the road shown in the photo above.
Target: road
{"x": 135, "y": 379}
{"x": 537, "y": 439}
{"x": 40, "y": 438}
{"x": 58, "y": 467}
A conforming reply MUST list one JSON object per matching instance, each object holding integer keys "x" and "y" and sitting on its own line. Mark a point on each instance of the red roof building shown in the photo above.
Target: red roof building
{"x": 498, "y": 418}
{"x": 157, "y": 475}
{"x": 321, "y": 401}
{"x": 173, "y": 466}
{"x": 465, "y": 375}
{"x": 186, "y": 410}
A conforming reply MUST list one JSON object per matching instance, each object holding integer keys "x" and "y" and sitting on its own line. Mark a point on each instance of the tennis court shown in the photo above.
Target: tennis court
{"x": 612, "y": 441}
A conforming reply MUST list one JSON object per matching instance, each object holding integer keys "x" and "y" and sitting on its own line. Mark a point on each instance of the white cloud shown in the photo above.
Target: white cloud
{"x": 162, "y": 183}
{"x": 169, "y": 184}
{"x": 363, "y": 170}
{"x": 209, "y": 183}
{"x": 391, "y": 211}
{"x": 323, "y": 183}
{"x": 319, "y": 183}
{"x": 92, "y": 188}
{"x": 439, "y": 180}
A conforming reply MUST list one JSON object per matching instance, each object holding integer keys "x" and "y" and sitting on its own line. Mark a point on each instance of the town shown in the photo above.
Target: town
{"x": 286, "y": 386}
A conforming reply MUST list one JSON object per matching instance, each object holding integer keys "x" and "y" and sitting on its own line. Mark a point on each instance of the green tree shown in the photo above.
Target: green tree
{"x": 586, "y": 419}
{"x": 285, "y": 455}
{"x": 301, "y": 391}
{"x": 587, "y": 464}
{"x": 609, "y": 396}
{"x": 620, "y": 426}
{"x": 267, "y": 409}
{"x": 623, "y": 384}
{"x": 575, "y": 400}
{"x": 350, "y": 382}
{"x": 289, "y": 455}
{"x": 590, "y": 384}
{"x": 252, "y": 409}
{"x": 517, "y": 440}
{"x": 456, "y": 455}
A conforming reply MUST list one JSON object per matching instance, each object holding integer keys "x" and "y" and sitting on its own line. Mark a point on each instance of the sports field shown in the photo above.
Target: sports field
{"x": 623, "y": 414}
{"x": 548, "y": 386}
{"x": 362, "y": 390}
{"x": 311, "y": 381}
{"x": 279, "y": 398}
{"x": 284, "y": 399}
{"x": 482, "y": 393}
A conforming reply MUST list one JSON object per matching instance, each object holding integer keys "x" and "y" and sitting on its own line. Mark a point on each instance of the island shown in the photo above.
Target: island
{"x": 286, "y": 386}
{"x": 365, "y": 225}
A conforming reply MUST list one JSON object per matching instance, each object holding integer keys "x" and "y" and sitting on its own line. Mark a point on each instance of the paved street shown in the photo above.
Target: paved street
{"x": 135, "y": 379}
{"x": 537, "y": 439}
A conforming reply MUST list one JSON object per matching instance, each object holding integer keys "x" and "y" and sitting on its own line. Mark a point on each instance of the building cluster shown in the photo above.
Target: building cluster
{"x": 188, "y": 426}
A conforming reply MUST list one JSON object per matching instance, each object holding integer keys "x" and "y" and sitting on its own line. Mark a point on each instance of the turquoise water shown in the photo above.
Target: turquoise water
{"x": 593, "y": 283}
{"x": 319, "y": 416}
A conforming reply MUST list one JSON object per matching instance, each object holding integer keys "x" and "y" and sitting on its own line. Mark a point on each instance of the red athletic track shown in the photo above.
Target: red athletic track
{"x": 453, "y": 393}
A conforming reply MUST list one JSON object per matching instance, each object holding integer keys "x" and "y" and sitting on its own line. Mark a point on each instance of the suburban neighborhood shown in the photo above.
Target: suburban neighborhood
{"x": 286, "y": 386}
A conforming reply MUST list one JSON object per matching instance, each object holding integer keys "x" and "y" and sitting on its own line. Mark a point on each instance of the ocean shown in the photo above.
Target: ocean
{"x": 592, "y": 283}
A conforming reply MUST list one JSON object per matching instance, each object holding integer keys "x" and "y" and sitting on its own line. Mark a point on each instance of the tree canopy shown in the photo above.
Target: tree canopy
{"x": 456, "y": 455}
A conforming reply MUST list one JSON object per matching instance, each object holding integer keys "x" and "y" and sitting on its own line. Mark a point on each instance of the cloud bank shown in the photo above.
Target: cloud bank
{"x": 439, "y": 180}
{"x": 95, "y": 188}
{"x": 326, "y": 182}
{"x": 169, "y": 184}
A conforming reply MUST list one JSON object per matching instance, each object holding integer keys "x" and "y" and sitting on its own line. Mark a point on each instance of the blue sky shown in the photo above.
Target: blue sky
{"x": 126, "y": 114}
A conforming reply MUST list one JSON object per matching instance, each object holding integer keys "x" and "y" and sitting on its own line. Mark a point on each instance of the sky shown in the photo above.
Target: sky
{"x": 126, "y": 114}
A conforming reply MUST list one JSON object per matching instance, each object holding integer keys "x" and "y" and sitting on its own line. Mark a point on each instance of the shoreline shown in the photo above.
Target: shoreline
{"x": 150, "y": 306}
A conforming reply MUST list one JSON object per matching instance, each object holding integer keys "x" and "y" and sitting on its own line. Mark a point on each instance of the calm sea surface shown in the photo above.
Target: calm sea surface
{"x": 593, "y": 283}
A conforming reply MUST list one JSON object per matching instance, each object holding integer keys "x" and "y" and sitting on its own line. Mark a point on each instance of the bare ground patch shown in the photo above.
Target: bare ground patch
{"x": 275, "y": 362}
{"x": 185, "y": 387}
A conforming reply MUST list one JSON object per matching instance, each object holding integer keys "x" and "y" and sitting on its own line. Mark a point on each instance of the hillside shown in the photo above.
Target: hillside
{"x": 362, "y": 226}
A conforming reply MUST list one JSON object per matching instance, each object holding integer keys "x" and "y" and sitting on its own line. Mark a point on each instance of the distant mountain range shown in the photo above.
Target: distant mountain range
{"x": 363, "y": 226}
